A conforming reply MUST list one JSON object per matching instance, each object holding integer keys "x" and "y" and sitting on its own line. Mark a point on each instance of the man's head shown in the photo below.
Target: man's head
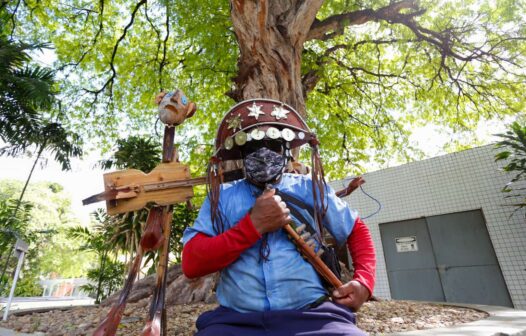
{"x": 261, "y": 132}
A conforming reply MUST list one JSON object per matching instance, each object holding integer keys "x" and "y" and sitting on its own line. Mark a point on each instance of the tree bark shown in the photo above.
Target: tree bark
{"x": 19, "y": 202}
{"x": 270, "y": 35}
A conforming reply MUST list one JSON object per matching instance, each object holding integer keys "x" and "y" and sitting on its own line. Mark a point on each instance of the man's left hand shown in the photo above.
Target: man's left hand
{"x": 352, "y": 294}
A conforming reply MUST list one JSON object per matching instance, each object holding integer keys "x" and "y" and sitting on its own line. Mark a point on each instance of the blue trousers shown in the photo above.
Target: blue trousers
{"x": 328, "y": 319}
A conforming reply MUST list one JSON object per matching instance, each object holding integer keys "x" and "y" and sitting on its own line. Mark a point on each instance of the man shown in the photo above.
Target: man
{"x": 265, "y": 286}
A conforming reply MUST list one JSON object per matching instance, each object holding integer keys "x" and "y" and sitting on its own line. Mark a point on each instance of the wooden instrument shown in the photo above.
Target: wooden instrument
{"x": 307, "y": 250}
{"x": 130, "y": 190}
{"x": 168, "y": 183}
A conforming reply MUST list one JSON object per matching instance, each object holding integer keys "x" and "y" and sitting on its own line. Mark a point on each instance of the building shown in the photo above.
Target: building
{"x": 445, "y": 231}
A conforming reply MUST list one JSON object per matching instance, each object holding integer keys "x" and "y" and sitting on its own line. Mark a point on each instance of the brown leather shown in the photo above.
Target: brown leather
{"x": 292, "y": 121}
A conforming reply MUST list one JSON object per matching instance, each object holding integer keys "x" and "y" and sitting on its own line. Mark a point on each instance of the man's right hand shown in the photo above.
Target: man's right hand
{"x": 269, "y": 213}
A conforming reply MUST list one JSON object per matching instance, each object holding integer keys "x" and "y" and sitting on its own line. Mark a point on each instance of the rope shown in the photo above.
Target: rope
{"x": 371, "y": 197}
{"x": 374, "y": 199}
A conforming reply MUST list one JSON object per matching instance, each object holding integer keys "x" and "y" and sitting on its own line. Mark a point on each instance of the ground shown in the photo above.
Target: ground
{"x": 375, "y": 318}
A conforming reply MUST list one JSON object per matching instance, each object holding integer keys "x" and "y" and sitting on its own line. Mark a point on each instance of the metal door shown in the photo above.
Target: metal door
{"x": 443, "y": 258}
{"x": 412, "y": 272}
{"x": 467, "y": 264}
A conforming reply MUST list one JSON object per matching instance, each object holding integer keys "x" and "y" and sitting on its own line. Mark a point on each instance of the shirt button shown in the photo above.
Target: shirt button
{"x": 269, "y": 293}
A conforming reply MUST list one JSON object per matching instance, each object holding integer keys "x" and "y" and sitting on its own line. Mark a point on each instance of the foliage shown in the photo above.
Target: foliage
{"x": 11, "y": 229}
{"x": 135, "y": 153}
{"x": 27, "y": 285}
{"x": 27, "y": 97}
{"x": 42, "y": 221}
{"x": 184, "y": 216}
{"x": 107, "y": 273}
{"x": 109, "y": 276}
{"x": 513, "y": 153}
{"x": 24, "y": 90}
{"x": 369, "y": 80}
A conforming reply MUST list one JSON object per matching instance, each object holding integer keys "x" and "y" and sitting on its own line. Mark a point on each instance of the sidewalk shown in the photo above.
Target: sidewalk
{"x": 502, "y": 321}
{"x": 26, "y": 303}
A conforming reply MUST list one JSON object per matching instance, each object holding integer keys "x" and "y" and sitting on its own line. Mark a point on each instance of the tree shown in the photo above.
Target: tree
{"x": 513, "y": 146}
{"x": 363, "y": 72}
{"x": 43, "y": 221}
{"x": 27, "y": 92}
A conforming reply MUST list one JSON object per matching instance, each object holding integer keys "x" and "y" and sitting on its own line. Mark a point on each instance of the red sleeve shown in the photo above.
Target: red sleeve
{"x": 203, "y": 254}
{"x": 363, "y": 255}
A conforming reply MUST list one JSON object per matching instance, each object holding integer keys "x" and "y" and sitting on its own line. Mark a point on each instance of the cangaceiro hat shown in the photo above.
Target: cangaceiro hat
{"x": 257, "y": 119}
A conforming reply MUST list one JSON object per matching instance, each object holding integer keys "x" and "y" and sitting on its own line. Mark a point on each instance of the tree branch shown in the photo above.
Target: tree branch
{"x": 335, "y": 25}
{"x": 165, "y": 41}
{"x": 109, "y": 81}
{"x": 303, "y": 18}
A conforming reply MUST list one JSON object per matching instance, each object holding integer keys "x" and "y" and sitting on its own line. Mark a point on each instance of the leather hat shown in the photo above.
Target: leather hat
{"x": 257, "y": 119}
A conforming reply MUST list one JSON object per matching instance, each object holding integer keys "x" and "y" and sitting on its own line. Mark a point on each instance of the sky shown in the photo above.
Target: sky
{"x": 81, "y": 182}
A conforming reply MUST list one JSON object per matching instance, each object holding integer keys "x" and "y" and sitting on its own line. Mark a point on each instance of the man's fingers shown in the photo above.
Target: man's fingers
{"x": 277, "y": 198}
{"x": 346, "y": 301}
{"x": 343, "y": 291}
{"x": 269, "y": 192}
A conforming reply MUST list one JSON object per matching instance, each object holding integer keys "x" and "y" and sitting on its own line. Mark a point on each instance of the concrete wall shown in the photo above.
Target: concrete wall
{"x": 461, "y": 181}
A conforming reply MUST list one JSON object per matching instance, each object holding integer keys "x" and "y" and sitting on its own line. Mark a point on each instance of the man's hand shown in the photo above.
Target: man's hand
{"x": 353, "y": 294}
{"x": 352, "y": 186}
{"x": 269, "y": 213}
{"x": 355, "y": 183}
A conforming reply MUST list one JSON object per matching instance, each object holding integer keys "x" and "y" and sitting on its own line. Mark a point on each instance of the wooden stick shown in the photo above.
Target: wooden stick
{"x": 156, "y": 325}
{"x": 108, "y": 326}
{"x": 313, "y": 258}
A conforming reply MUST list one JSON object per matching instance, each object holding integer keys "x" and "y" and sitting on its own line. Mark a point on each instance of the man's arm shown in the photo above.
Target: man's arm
{"x": 354, "y": 293}
{"x": 204, "y": 254}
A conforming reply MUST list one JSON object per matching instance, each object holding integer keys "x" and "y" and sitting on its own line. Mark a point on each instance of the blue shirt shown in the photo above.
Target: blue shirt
{"x": 286, "y": 280}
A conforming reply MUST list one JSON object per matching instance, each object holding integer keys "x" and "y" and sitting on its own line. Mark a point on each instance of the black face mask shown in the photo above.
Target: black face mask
{"x": 264, "y": 165}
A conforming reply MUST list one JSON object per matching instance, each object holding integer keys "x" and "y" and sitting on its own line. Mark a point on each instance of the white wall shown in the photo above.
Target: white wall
{"x": 461, "y": 181}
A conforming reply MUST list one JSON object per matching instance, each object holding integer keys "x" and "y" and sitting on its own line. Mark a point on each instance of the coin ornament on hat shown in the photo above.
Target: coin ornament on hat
{"x": 234, "y": 122}
{"x": 255, "y": 110}
{"x": 279, "y": 112}
{"x": 288, "y": 134}
{"x": 258, "y": 119}
{"x": 273, "y": 133}
{"x": 257, "y": 134}
{"x": 240, "y": 138}
{"x": 229, "y": 143}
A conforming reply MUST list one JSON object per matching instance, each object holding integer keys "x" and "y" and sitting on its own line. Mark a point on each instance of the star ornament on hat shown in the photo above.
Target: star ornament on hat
{"x": 255, "y": 110}
{"x": 235, "y": 122}
{"x": 279, "y": 112}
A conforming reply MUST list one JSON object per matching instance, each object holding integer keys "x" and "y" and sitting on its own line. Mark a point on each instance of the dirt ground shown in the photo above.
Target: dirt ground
{"x": 376, "y": 318}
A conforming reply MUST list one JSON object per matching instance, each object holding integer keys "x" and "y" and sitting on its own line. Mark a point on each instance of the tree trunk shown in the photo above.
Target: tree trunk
{"x": 270, "y": 35}
{"x": 41, "y": 149}
{"x": 101, "y": 274}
